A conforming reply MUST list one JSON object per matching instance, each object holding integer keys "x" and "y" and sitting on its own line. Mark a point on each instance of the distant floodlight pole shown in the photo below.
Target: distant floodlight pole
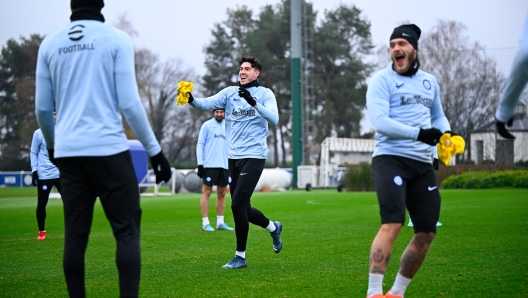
{"x": 296, "y": 54}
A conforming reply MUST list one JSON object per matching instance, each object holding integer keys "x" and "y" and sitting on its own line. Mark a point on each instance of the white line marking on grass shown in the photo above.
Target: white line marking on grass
{"x": 312, "y": 202}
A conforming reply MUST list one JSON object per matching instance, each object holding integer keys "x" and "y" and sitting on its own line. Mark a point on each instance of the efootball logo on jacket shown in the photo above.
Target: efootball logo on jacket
{"x": 76, "y": 32}
{"x": 249, "y": 113}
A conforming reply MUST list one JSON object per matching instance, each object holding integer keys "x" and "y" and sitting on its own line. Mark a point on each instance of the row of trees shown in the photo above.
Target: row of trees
{"x": 340, "y": 67}
{"x": 18, "y": 63}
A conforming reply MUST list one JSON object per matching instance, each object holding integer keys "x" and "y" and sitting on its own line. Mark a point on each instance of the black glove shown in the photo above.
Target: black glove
{"x": 35, "y": 178}
{"x": 430, "y": 136}
{"x": 435, "y": 163}
{"x": 161, "y": 167}
{"x": 242, "y": 92}
{"x": 501, "y": 129}
{"x": 51, "y": 154}
{"x": 200, "y": 171}
{"x": 191, "y": 98}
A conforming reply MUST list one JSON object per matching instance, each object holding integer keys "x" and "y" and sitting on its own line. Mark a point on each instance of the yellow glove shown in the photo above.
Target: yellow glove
{"x": 183, "y": 92}
{"x": 449, "y": 146}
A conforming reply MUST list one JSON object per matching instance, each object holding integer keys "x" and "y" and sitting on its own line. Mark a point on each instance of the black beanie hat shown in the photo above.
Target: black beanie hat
{"x": 97, "y": 4}
{"x": 214, "y": 110}
{"x": 86, "y": 10}
{"x": 409, "y": 32}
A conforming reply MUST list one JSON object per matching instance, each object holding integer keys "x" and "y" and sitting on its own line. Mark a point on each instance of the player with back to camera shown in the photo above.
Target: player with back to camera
{"x": 86, "y": 69}
{"x": 45, "y": 175}
{"x": 249, "y": 108}
{"x": 404, "y": 105}
{"x": 211, "y": 155}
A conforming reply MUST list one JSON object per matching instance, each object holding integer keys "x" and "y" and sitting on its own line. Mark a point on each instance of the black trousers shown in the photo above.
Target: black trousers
{"x": 113, "y": 180}
{"x": 245, "y": 174}
{"x": 43, "y": 191}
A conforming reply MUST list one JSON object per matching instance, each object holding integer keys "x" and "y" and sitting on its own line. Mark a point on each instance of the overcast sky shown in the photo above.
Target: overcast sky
{"x": 178, "y": 29}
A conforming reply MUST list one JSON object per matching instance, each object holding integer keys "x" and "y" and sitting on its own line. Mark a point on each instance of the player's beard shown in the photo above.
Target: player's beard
{"x": 413, "y": 64}
{"x": 410, "y": 60}
{"x": 219, "y": 118}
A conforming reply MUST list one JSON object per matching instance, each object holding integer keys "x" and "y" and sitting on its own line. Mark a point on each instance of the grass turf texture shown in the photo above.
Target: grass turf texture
{"x": 480, "y": 251}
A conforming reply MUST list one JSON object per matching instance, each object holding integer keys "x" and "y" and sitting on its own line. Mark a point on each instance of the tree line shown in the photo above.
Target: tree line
{"x": 340, "y": 66}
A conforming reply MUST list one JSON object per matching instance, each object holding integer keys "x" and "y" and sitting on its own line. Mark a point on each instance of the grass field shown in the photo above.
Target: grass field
{"x": 480, "y": 251}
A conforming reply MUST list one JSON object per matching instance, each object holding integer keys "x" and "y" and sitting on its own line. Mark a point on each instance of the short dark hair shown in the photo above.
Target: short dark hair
{"x": 255, "y": 63}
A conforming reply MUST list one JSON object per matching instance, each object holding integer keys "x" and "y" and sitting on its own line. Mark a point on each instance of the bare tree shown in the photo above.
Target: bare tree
{"x": 157, "y": 83}
{"x": 157, "y": 80}
{"x": 181, "y": 136}
{"x": 469, "y": 79}
{"x": 124, "y": 24}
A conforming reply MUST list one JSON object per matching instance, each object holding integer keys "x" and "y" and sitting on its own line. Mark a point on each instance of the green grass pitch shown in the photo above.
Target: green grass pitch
{"x": 480, "y": 251}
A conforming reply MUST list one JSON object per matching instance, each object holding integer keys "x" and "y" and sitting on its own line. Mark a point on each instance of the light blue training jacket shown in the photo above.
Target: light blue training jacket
{"x": 87, "y": 69}
{"x": 398, "y": 107}
{"x": 40, "y": 159}
{"x": 246, "y": 126}
{"x": 211, "y": 148}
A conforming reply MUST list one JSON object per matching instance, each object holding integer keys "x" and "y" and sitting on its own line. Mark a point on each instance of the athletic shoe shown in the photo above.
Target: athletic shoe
{"x": 224, "y": 227}
{"x": 208, "y": 228}
{"x": 42, "y": 235}
{"x": 390, "y": 295}
{"x": 376, "y": 296}
{"x": 236, "y": 263}
{"x": 277, "y": 241}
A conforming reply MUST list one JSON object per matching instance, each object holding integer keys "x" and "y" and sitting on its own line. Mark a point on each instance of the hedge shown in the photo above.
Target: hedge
{"x": 359, "y": 177}
{"x": 482, "y": 179}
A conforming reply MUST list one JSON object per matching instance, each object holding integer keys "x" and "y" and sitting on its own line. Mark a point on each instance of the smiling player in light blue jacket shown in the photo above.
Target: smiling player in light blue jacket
{"x": 249, "y": 108}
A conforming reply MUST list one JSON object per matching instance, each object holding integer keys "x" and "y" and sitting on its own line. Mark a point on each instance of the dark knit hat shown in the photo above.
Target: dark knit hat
{"x": 97, "y": 4}
{"x": 409, "y": 32}
{"x": 86, "y": 10}
{"x": 214, "y": 110}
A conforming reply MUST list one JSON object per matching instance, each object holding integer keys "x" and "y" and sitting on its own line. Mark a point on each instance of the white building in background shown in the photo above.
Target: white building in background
{"x": 341, "y": 151}
{"x": 488, "y": 145}
{"x": 335, "y": 152}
